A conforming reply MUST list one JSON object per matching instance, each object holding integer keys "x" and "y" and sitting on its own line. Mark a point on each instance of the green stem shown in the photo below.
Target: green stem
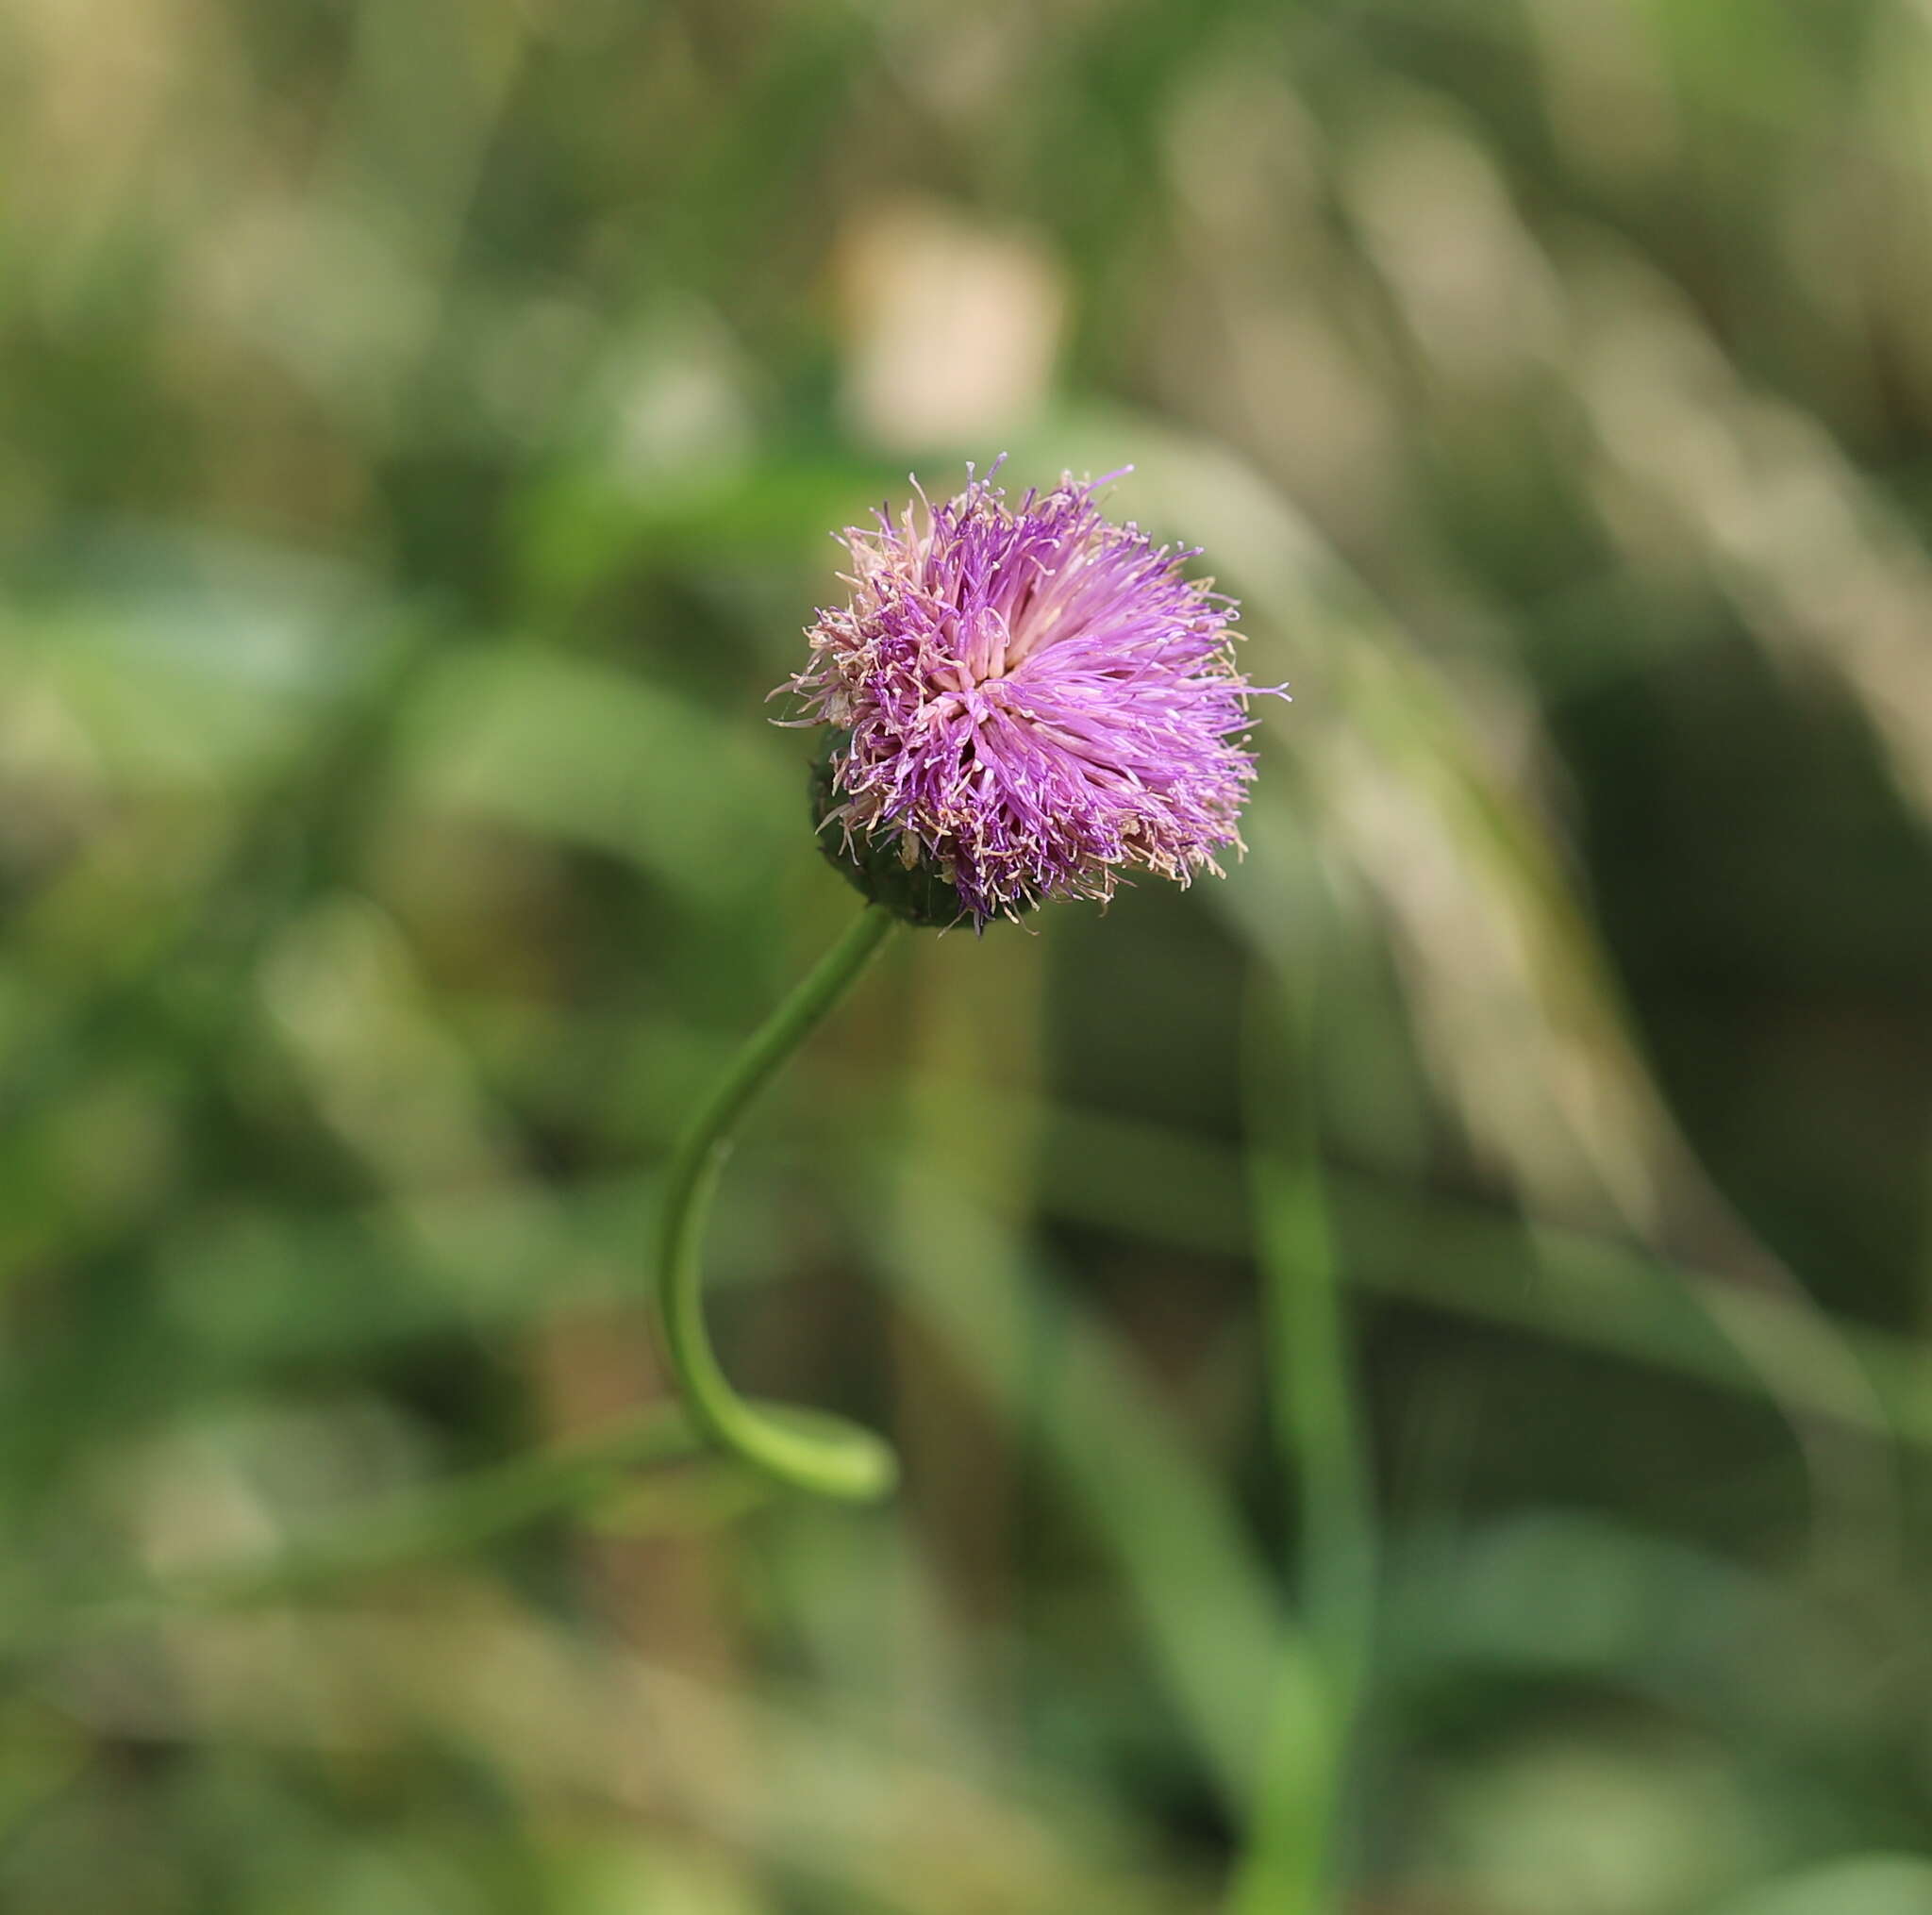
{"x": 807, "y": 1449}
{"x": 1294, "y": 1862}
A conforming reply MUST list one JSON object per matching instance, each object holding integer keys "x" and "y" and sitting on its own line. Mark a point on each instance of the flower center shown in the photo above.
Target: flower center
{"x": 983, "y": 642}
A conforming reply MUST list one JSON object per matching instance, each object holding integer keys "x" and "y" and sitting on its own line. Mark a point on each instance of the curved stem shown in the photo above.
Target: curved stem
{"x": 806, "y": 1448}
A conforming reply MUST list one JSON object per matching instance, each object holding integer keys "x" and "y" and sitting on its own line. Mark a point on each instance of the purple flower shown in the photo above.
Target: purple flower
{"x": 1034, "y": 700}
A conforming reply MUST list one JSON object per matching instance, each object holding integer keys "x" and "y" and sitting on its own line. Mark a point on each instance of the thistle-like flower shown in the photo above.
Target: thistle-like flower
{"x": 1027, "y": 702}
{"x": 1022, "y": 703}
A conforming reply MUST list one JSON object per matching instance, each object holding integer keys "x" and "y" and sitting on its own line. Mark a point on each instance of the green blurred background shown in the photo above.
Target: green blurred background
{"x": 1412, "y": 1362}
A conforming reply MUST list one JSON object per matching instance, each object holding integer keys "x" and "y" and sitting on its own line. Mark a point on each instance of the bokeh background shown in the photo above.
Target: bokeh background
{"x": 1411, "y": 1362}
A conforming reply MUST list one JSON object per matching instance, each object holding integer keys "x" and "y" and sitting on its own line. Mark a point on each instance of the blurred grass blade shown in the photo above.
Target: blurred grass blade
{"x": 1298, "y": 1836}
{"x": 436, "y": 1523}
{"x": 1215, "y": 1622}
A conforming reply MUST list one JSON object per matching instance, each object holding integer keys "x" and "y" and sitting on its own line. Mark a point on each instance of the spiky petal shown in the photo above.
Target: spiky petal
{"x": 1036, "y": 699}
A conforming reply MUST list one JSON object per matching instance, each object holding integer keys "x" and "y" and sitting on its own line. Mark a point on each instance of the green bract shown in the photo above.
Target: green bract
{"x": 922, "y": 893}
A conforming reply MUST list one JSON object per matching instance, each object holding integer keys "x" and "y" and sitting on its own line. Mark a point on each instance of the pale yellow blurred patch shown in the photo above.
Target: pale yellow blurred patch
{"x": 952, "y": 328}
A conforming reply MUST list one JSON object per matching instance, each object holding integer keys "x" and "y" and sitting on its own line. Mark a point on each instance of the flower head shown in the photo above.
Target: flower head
{"x": 1028, "y": 700}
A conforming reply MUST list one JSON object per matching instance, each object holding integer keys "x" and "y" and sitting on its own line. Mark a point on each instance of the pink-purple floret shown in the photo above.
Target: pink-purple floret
{"x": 1036, "y": 699}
